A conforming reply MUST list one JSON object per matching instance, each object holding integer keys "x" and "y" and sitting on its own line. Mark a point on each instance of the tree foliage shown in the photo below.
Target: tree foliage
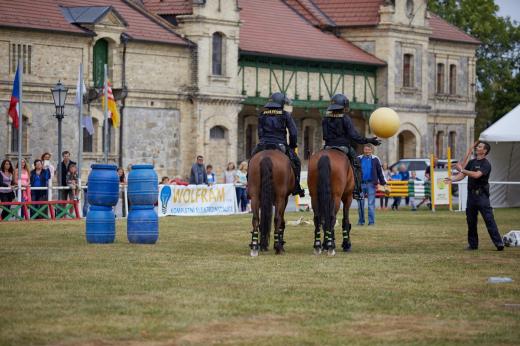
{"x": 498, "y": 58}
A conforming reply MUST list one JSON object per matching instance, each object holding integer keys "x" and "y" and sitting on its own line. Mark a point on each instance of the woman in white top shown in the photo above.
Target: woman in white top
{"x": 241, "y": 185}
{"x": 229, "y": 173}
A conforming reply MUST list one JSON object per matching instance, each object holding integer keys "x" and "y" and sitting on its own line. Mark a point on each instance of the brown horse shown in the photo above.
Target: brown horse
{"x": 270, "y": 182}
{"x": 330, "y": 181}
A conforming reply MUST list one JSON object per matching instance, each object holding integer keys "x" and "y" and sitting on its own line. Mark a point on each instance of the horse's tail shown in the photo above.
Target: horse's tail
{"x": 325, "y": 202}
{"x": 266, "y": 200}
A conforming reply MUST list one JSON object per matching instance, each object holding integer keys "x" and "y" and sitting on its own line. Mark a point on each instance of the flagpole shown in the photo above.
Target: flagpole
{"x": 80, "y": 120}
{"x": 20, "y": 126}
{"x": 105, "y": 120}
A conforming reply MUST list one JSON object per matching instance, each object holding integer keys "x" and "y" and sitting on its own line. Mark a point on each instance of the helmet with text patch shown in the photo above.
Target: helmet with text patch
{"x": 338, "y": 102}
{"x": 277, "y": 100}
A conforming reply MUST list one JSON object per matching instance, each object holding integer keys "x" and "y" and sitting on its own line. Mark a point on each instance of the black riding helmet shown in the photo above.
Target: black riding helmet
{"x": 338, "y": 102}
{"x": 277, "y": 100}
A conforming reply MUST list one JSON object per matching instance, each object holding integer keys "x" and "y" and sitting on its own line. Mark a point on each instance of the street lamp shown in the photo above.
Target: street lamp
{"x": 59, "y": 94}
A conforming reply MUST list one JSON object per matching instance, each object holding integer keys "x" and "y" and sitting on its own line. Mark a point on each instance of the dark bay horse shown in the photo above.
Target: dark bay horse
{"x": 270, "y": 182}
{"x": 330, "y": 181}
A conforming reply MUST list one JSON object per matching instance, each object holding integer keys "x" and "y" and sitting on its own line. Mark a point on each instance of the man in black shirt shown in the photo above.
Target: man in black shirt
{"x": 478, "y": 171}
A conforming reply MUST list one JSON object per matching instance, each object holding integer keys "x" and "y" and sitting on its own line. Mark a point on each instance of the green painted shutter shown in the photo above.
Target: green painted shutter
{"x": 100, "y": 59}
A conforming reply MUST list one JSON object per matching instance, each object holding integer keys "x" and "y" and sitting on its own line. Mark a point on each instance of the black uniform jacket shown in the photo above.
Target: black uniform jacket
{"x": 338, "y": 130}
{"x": 272, "y": 125}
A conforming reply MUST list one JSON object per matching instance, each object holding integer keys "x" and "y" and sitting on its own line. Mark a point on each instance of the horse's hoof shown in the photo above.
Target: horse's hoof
{"x": 331, "y": 252}
{"x": 347, "y": 247}
{"x": 317, "y": 251}
{"x": 254, "y": 253}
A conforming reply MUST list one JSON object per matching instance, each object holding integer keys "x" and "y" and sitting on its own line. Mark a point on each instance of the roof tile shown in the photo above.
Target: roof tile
{"x": 169, "y": 7}
{"x": 270, "y": 27}
{"x": 47, "y": 15}
{"x": 442, "y": 30}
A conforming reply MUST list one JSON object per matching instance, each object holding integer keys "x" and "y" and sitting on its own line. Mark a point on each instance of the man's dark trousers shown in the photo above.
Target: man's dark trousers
{"x": 478, "y": 201}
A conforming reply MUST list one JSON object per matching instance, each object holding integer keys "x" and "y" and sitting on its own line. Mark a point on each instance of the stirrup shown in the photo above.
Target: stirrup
{"x": 357, "y": 196}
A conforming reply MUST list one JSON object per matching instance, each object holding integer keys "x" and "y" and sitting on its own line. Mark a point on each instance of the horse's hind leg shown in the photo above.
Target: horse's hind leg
{"x": 346, "y": 226}
{"x": 254, "y": 233}
{"x": 317, "y": 235}
{"x": 279, "y": 223}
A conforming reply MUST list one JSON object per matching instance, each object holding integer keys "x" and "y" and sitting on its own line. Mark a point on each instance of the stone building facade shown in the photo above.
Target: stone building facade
{"x": 190, "y": 77}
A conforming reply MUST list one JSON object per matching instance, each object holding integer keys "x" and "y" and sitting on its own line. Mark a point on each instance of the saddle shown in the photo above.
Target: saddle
{"x": 341, "y": 148}
{"x": 280, "y": 147}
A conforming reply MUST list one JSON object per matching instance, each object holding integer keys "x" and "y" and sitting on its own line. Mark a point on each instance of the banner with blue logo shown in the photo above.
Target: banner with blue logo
{"x": 191, "y": 200}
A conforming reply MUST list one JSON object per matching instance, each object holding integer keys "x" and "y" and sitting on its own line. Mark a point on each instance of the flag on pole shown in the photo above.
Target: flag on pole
{"x": 14, "y": 105}
{"x": 112, "y": 106}
{"x": 81, "y": 90}
{"x": 87, "y": 124}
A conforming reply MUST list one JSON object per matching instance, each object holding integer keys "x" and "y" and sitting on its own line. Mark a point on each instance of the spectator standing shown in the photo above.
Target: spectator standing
{"x": 229, "y": 173}
{"x": 121, "y": 175}
{"x": 47, "y": 164}
{"x": 371, "y": 175}
{"x": 241, "y": 185}
{"x": 387, "y": 174}
{"x": 25, "y": 177}
{"x": 6, "y": 182}
{"x": 397, "y": 200}
{"x": 72, "y": 182}
{"x": 212, "y": 179}
{"x": 413, "y": 200}
{"x": 405, "y": 176}
{"x": 39, "y": 178}
{"x": 198, "y": 172}
{"x": 64, "y": 168}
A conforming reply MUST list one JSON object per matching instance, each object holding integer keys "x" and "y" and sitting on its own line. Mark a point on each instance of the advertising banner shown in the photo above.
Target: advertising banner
{"x": 191, "y": 200}
{"x": 442, "y": 196}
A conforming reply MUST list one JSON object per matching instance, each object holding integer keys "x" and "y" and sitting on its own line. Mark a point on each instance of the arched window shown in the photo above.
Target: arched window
{"x": 217, "y": 45}
{"x": 408, "y": 71}
{"x": 90, "y": 141}
{"x": 111, "y": 137}
{"x": 217, "y": 132}
{"x": 14, "y": 136}
{"x": 250, "y": 139}
{"x": 452, "y": 138}
{"x": 439, "y": 145}
{"x": 453, "y": 79}
{"x": 100, "y": 58}
{"x": 440, "y": 78}
{"x": 307, "y": 142}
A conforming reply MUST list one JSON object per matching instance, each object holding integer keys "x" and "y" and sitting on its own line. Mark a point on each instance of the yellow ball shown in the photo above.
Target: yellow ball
{"x": 384, "y": 122}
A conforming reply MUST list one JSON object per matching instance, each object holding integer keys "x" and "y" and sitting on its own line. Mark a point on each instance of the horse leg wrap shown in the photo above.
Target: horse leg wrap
{"x": 346, "y": 245}
{"x": 254, "y": 240}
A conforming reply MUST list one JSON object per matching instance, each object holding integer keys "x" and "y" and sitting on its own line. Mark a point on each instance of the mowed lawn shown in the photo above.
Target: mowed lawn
{"x": 406, "y": 281}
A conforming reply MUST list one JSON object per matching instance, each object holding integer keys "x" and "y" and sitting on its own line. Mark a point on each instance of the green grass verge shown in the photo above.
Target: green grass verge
{"x": 407, "y": 281}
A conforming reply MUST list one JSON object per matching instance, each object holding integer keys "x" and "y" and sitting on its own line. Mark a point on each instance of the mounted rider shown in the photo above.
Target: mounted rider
{"x": 273, "y": 123}
{"x": 339, "y": 132}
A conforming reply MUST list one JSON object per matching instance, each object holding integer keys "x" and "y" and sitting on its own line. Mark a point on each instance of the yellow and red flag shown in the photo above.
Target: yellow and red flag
{"x": 112, "y": 106}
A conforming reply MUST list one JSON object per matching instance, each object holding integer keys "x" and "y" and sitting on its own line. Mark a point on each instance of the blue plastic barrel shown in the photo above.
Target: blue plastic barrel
{"x": 103, "y": 185}
{"x": 142, "y": 224}
{"x": 143, "y": 185}
{"x": 101, "y": 226}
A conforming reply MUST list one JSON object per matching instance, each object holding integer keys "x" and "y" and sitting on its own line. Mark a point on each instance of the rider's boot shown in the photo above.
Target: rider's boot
{"x": 297, "y": 169}
{"x": 357, "y": 194}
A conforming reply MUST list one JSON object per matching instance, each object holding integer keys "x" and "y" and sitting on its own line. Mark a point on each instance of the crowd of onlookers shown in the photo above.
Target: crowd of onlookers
{"x": 202, "y": 174}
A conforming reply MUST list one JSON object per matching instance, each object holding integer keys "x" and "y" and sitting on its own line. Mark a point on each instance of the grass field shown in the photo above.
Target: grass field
{"x": 407, "y": 281}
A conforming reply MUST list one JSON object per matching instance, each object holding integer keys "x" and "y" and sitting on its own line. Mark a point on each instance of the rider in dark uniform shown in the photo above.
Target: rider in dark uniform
{"x": 273, "y": 123}
{"x": 339, "y": 132}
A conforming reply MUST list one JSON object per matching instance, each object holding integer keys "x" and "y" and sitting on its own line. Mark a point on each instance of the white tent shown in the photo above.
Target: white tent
{"x": 504, "y": 138}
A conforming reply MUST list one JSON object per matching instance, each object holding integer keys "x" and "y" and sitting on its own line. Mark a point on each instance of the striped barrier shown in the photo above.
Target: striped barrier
{"x": 411, "y": 188}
